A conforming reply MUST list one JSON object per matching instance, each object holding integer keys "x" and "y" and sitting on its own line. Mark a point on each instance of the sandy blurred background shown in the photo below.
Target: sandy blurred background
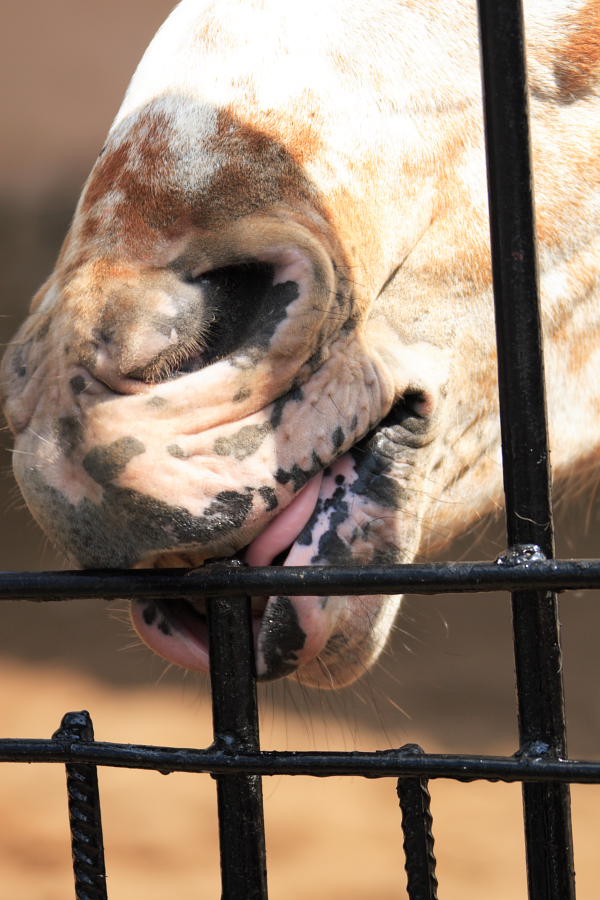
{"x": 447, "y": 681}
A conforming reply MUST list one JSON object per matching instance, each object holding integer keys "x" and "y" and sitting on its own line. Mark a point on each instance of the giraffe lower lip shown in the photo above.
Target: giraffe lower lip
{"x": 177, "y": 629}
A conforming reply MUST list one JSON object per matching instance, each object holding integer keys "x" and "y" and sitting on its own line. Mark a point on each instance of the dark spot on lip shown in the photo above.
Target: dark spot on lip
{"x": 336, "y": 643}
{"x": 374, "y": 481}
{"x": 305, "y": 539}
{"x": 336, "y": 500}
{"x": 157, "y": 402}
{"x": 280, "y": 639}
{"x": 176, "y": 451}
{"x": 242, "y": 394}
{"x": 165, "y": 626}
{"x": 105, "y": 464}
{"x": 333, "y": 549}
{"x": 179, "y": 617}
{"x": 399, "y": 436}
{"x": 294, "y": 395}
{"x": 244, "y": 442}
{"x": 270, "y": 498}
{"x": 337, "y": 438}
{"x": 297, "y": 475}
{"x": 126, "y": 525}
{"x": 149, "y": 612}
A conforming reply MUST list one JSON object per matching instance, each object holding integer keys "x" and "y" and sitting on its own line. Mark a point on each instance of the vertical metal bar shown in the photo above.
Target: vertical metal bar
{"x": 524, "y": 437}
{"x": 235, "y": 723}
{"x": 413, "y": 794}
{"x": 84, "y": 812}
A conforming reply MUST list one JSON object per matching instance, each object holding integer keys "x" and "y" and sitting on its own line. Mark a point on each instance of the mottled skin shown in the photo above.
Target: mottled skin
{"x": 278, "y": 277}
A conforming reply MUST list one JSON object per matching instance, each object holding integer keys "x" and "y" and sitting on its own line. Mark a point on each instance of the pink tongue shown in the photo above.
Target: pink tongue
{"x": 285, "y": 528}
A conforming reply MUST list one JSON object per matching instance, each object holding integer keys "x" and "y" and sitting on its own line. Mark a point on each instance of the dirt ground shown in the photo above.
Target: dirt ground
{"x": 327, "y": 839}
{"x": 447, "y": 681}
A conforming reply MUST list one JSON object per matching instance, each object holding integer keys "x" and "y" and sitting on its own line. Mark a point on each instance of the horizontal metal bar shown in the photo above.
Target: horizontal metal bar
{"x": 379, "y": 764}
{"x": 433, "y": 578}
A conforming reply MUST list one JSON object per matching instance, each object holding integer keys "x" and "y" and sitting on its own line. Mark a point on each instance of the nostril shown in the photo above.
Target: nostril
{"x": 173, "y": 322}
{"x": 240, "y": 305}
{"x": 419, "y": 403}
{"x": 238, "y": 298}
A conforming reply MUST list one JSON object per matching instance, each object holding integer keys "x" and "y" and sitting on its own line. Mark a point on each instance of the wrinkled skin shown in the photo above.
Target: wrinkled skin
{"x": 269, "y": 332}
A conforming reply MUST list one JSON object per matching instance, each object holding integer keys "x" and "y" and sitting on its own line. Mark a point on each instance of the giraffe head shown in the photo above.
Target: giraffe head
{"x": 269, "y": 331}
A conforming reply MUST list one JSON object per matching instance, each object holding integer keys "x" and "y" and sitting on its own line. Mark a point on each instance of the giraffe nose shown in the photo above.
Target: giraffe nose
{"x": 166, "y": 324}
{"x": 147, "y": 329}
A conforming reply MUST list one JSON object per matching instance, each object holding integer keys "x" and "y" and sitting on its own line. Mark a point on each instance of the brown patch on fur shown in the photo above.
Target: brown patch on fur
{"x": 461, "y": 254}
{"x": 140, "y": 169}
{"x": 578, "y": 66}
{"x": 108, "y": 174}
{"x": 261, "y": 171}
{"x": 555, "y": 210}
{"x": 349, "y": 218}
{"x": 260, "y": 175}
{"x": 581, "y": 352}
{"x": 305, "y": 141}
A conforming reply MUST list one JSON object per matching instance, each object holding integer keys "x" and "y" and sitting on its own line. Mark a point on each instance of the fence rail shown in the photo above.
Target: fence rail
{"x": 531, "y": 765}
{"x": 515, "y": 571}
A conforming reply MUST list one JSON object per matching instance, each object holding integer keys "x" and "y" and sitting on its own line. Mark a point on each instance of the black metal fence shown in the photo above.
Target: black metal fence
{"x": 527, "y": 569}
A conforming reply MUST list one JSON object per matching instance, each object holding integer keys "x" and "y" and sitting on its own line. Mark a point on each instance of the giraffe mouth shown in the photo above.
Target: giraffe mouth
{"x": 177, "y": 629}
{"x": 345, "y": 514}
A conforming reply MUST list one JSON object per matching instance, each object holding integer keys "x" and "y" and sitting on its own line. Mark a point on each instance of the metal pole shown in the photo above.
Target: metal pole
{"x": 524, "y": 439}
{"x": 87, "y": 843}
{"x": 235, "y": 722}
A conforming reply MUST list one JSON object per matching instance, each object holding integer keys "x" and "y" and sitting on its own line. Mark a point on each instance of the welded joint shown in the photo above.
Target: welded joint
{"x": 534, "y": 751}
{"x": 521, "y": 555}
{"x": 417, "y": 827}
{"x": 230, "y": 744}
{"x": 75, "y": 726}
{"x": 87, "y": 843}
